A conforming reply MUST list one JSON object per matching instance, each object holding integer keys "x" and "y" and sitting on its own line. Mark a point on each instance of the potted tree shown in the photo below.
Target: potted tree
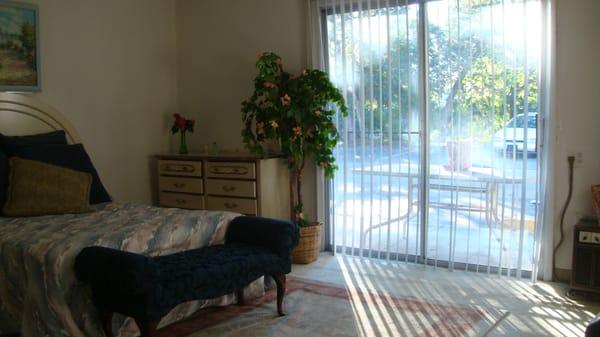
{"x": 297, "y": 113}
{"x": 459, "y": 154}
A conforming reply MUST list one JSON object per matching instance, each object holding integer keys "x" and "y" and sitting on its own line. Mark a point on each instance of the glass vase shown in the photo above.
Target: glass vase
{"x": 183, "y": 143}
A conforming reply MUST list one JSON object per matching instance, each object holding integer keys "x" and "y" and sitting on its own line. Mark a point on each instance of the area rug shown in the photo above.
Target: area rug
{"x": 318, "y": 309}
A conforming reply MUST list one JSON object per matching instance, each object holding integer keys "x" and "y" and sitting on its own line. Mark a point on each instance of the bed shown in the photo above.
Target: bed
{"x": 39, "y": 294}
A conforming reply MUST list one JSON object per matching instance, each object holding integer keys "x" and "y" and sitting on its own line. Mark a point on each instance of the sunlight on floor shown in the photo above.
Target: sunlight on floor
{"x": 509, "y": 307}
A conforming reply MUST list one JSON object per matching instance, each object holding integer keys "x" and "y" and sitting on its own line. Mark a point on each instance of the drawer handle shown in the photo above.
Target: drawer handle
{"x": 231, "y": 205}
{"x": 179, "y": 185}
{"x": 181, "y": 201}
{"x": 180, "y": 168}
{"x": 228, "y": 188}
{"x": 229, "y": 170}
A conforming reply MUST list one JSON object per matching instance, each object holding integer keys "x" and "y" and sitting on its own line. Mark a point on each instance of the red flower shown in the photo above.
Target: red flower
{"x": 180, "y": 123}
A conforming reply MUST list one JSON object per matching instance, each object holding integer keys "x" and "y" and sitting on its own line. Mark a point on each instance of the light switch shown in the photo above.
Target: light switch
{"x": 596, "y": 238}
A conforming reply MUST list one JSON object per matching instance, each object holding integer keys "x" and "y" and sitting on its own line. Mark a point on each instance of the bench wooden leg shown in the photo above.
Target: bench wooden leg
{"x": 147, "y": 328}
{"x": 106, "y": 319}
{"x": 280, "y": 280}
{"x": 240, "y": 296}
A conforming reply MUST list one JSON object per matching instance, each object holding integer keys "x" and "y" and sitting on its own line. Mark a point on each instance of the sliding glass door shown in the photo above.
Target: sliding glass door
{"x": 439, "y": 154}
{"x": 483, "y": 74}
{"x": 372, "y": 55}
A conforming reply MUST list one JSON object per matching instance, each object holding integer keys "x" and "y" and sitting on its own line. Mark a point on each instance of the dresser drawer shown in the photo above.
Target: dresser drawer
{"x": 233, "y": 188}
{"x": 178, "y": 184}
{"x": 180, "y": 168}
{"x": 180, "y": 200}
{"x": 244, "y": 206}
{"x": 237, "y": 170}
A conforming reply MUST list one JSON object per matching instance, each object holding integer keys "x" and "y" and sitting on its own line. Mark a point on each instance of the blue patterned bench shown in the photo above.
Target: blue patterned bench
{"x": 147, "y": 288}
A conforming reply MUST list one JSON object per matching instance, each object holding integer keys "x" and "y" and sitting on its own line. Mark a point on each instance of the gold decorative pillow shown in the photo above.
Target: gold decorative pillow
{"x": 36, "y": 188}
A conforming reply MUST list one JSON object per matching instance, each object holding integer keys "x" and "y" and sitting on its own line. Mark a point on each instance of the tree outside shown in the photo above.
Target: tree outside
{"x": 468, "y": 81}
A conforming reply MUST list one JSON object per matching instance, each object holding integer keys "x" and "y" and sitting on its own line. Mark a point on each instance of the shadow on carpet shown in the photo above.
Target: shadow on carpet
{"x": 320, "y": 309}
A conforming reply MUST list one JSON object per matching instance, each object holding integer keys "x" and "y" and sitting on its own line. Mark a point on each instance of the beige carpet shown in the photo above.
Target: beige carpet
{"x": 319, "y": 309}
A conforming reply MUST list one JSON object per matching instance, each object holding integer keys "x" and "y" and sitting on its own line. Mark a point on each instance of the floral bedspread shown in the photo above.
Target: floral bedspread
{"x": 39, "y": 293}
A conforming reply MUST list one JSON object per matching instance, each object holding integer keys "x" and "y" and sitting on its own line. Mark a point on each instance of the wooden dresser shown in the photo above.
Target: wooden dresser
{"x": 240, "y": 183}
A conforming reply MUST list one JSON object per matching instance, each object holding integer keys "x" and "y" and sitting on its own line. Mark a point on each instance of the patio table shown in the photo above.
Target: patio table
{"x": 476, "y": 180}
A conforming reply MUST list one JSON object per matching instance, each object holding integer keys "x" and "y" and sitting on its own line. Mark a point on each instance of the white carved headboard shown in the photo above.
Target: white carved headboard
{"x": 23, "y": 115}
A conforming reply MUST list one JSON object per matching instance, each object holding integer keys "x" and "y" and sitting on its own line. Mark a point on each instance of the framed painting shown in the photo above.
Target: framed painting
{"x": 19, "y": 47}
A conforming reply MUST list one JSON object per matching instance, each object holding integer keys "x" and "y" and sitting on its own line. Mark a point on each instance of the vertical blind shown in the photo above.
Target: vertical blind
{"x": 440, "y": 152}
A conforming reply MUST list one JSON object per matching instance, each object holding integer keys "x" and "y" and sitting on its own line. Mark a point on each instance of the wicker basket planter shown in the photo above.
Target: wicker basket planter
{"x": 309, "y": 247}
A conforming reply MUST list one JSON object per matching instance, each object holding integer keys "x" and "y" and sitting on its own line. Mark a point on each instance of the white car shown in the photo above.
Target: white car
{"x": 512, "y": 134}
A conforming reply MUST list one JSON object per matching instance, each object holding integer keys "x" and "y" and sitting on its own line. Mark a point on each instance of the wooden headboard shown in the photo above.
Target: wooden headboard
{"x": 23, "y": 115}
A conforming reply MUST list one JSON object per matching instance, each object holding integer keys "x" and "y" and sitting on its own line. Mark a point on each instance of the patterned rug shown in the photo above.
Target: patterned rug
{"x": 318, "y": 309}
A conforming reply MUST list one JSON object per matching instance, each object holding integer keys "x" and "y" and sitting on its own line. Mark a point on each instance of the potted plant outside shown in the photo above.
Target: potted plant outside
{"x": 297, "y": 113}
{"x": 459, "y": 154}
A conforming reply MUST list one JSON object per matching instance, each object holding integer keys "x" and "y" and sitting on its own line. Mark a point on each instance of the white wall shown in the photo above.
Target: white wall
{"x": 109, "y": 66}
{"x": 577, "y": 104}
{"x": 218, "y": 43}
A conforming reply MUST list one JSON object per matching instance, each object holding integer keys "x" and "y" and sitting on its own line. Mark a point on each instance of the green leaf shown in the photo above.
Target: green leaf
{"x": 309, "y": 91}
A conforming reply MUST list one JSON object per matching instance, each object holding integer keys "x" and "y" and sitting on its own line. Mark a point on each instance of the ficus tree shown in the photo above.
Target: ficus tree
{"x": 296, "y": 112}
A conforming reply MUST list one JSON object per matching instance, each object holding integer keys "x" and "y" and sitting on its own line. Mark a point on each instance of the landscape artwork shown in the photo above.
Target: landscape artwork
{"x": 19, "y": 56}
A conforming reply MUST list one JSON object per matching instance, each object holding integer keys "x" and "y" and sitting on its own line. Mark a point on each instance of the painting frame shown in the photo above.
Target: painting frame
{"x": 35, "y": 85}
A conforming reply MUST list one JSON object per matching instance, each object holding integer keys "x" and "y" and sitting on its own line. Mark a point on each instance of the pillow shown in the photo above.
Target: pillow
{"x": 3, "y": 179}
{"x": 69, "y": 156}
{"x": 36, "y": 188}
{"x": 9, "y": 144}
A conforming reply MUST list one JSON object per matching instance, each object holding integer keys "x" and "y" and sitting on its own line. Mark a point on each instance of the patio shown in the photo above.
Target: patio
{"x": 474, "y": 216}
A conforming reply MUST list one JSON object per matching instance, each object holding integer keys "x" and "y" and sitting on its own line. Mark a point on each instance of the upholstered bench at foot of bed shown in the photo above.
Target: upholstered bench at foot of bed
{"x": 147, "y": 288}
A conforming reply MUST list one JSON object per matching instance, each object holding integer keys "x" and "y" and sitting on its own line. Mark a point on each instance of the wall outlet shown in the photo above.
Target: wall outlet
{"x": 589, "y": 237}
{"x": 578, "y": 159}
{"x": 586, "y": 237}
